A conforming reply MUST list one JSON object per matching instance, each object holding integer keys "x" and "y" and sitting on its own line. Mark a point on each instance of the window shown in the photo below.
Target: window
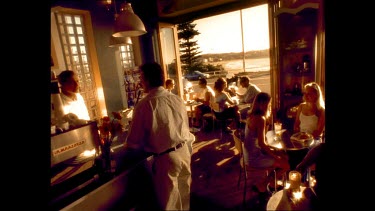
{"x": 241, "y": 39}
{"x": 127, "y": 56}
{"x": 74, "y": 48}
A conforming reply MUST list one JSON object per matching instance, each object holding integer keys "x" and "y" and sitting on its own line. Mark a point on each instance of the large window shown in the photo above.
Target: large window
{"x": 239, "y": 41}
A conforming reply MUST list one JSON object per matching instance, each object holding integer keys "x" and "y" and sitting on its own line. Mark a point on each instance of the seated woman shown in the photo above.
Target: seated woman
{"x": 206, "y": 97}
{"x": 227, "y": 108}
{"x": 310, "y": 115}
{"x": 257, "y": 153}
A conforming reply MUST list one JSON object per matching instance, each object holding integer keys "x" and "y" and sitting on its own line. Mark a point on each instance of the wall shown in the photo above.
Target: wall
{"x": 102, "y": 23}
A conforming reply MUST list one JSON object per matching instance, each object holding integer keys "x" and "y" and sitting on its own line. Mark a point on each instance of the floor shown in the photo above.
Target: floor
{"x": 215, "y": 173}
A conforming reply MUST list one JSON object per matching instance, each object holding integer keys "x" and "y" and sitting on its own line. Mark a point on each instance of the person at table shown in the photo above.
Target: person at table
{"x": 316, "y": 158}
{"x": 258, "y": 154}
{"x": 206, "y": 96}
{"x": 227, "y": 108}
{"x": 248, "y": 97}
{"x": 169, "y": 84}
{"x": 160, "y": 126}
{"x": 310, "y": 116}
{"x": 71, "y": 98}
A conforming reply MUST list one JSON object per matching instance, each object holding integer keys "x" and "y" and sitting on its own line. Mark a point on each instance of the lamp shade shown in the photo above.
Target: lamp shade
{"x": 118, "y": 41}
{"x": 128, "y": 24}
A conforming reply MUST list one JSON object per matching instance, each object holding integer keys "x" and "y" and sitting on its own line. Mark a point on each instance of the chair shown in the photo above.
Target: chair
{"x": 221, "y": 123}
{"x": 245, "y": 169}
{"x": 208, "y": 117}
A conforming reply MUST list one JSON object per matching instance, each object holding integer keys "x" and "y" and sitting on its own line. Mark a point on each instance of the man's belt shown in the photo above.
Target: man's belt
{"x": 178, "y": 146}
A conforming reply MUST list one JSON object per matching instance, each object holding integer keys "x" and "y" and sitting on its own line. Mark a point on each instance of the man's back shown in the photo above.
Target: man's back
{"x": 251, "y": 91}
{"x": 160, "y": 116}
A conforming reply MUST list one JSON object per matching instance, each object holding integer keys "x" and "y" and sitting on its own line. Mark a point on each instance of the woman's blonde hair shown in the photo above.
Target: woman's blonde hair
{"x": 320, "y": 100}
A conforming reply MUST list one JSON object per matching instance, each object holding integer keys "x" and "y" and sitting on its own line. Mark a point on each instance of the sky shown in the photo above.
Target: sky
{"x": 222, "y": 33}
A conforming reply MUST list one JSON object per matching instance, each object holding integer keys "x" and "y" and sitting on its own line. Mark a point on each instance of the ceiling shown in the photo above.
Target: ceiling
{"x": 175, "y": 11}
{"x": 173, "y": 8}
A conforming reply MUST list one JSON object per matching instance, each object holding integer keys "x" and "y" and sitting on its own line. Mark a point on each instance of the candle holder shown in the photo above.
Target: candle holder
{"x": 294, "y": 191}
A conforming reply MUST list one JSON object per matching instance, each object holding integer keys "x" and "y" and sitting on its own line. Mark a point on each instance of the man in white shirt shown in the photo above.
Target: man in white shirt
{"x": 248, "y": 97}
{"x": 160, "y": 126}
{"x": 72, "y": 100}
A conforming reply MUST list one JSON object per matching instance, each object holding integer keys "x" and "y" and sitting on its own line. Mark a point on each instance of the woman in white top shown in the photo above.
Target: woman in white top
{"x": 310, "y": 116}
{"x": 227, "y": 108}
{"x": 206, "y": 97}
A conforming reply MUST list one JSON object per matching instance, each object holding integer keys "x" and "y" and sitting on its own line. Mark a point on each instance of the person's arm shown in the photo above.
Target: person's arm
{"x": 321, "y": 124}
{"x": 139, "y": 126}
{"x": 297, "y": 122}
{"x": 229, "y": 99}
{"x": 260, "y": 124}
{"x": 310, "y": 158}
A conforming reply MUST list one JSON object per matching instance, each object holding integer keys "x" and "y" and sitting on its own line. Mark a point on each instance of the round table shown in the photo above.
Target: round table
{"x": 295, "y": 152}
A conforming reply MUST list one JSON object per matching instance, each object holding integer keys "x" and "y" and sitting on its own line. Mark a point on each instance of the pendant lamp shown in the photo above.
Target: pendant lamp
{"x": 119, "y": 41}
{"x": 127, "y": 23}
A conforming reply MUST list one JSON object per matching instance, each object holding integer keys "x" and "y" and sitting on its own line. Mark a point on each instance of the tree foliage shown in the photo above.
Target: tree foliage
{"x": 189, "y": 50}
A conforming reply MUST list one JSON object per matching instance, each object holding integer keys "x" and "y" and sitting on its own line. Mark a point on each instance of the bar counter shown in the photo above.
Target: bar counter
{"x": 75, "y": 175}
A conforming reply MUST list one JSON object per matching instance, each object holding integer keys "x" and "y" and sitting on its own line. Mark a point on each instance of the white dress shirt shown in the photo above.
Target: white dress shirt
{"x": 77, "y": 107}
{"x": 159, "y": 122}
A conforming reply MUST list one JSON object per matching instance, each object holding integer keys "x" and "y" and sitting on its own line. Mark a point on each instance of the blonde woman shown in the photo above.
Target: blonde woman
{"x": 310, "y": 115}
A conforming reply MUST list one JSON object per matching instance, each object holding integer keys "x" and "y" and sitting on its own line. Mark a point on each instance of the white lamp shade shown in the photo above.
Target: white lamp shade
{"x": 128, "y": 24}
{"x": 119, "y": 41}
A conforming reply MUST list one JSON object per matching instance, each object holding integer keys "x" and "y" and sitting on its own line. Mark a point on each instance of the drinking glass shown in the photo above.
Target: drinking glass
{"x": 278, "y": 127}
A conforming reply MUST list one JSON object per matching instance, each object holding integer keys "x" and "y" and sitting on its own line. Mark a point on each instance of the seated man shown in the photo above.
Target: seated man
{"x": 247, "y": 98}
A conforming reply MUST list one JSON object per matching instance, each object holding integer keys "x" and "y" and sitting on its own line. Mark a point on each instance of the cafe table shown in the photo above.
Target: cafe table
{"x": 296, "y": 149}
{"x": 190, "y": 107}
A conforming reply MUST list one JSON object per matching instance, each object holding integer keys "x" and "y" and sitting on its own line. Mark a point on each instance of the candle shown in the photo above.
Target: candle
{"x": 294, "y": 179}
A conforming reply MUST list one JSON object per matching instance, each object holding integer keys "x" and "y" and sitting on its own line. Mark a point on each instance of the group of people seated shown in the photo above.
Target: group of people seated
{"x": 310, "y": 118}
{"x": 223, "y": 101}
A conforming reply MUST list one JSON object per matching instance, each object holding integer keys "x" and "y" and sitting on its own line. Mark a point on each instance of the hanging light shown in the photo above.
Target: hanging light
{"x": 119, "y": 41}
{"x": 127, "y": 23}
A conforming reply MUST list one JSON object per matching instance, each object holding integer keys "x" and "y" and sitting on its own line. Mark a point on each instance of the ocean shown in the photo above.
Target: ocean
{"x": 251, "y": 65}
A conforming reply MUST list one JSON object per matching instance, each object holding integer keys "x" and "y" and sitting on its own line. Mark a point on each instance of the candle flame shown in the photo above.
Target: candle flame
{"x": 297, "y": 195}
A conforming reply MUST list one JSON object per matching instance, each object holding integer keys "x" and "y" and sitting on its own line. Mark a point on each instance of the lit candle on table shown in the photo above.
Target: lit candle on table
{"x": 294, "y": 179}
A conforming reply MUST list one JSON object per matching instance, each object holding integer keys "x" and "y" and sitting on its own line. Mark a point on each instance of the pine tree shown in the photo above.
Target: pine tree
{"x": 189, "y": 50}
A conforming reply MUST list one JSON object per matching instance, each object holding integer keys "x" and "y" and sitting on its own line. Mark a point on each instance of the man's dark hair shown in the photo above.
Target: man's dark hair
{"x": 153, "y": 73}
{"x": 244, "y": 79}
{"x": 202, "y": 81}
{"x": 65, "y": 75}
